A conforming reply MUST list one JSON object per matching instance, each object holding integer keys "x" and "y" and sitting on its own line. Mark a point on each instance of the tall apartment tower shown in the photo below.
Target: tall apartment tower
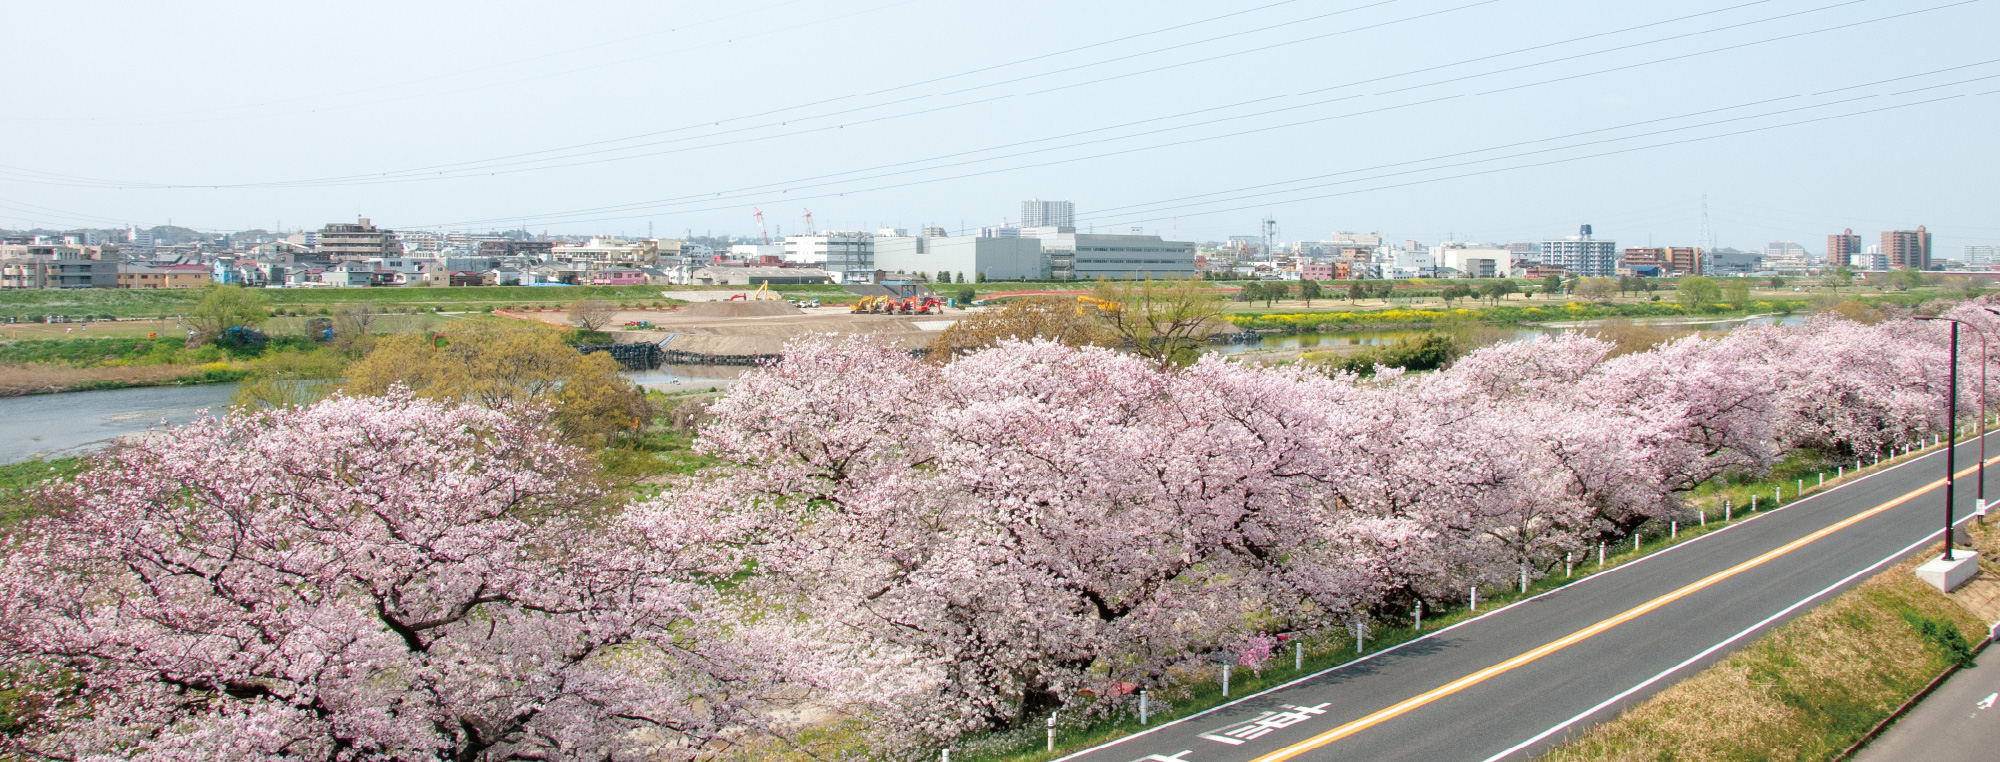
{"x": 1036, "y": 213}
{"x": 1843, "y": 249}
{"x": 340, "y": 242}
{"x": 1582, "y": 255}
{"x": 1909, "y": 249}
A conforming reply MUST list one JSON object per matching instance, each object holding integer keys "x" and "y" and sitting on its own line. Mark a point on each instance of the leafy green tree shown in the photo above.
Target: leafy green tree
{"x": 1355, "y": 292}
{"x": 1552, "y": 284}
{"x": 1164, "y": 321}
{"x": 1275, "y": 291}
{"x": 1250, "y": 292}
{"x": 1427, "y": 351}
{"x": 1310, "y": 290}
{"x": 1596, "y": 289}
{"x": 1737, "y": 293}
{"x": 505, "y": 364}
{"x": 961, "y": 279}
{"x": 1455, "y": 291}
{"x": 1499, "y": 289}
{"x": 966, "y": 296}
{"x": 944, "y": 276}
{"x": 1696, "y": 292}
{"x": 1777, "y": 283}
{"x": 224, "y": 307}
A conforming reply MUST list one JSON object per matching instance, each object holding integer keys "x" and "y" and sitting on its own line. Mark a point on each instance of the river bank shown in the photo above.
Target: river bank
{"x": 28, "y": 380}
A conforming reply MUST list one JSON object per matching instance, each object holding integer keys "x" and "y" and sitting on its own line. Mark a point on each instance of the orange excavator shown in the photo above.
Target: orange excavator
{"x": 919, "y": 305}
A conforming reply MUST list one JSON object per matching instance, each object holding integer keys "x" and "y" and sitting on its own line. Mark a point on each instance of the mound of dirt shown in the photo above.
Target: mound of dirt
{"x": 763, "y": 308}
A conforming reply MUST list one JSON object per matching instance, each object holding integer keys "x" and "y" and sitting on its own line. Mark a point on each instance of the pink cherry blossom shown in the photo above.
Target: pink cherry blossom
{"x": 365, "y": 578}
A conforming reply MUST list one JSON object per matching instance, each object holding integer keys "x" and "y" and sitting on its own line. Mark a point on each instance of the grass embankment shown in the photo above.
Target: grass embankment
{"x": 1505, "y": 314}
{"x": 35, "y": 366}
{"x": 32, "y": 304}
{"x": 1810, "y": 689}
{"x": 1201, "y": 689}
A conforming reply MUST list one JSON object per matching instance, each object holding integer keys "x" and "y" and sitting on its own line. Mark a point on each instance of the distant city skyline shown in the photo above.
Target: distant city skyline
{"x": 1188, "y": 120}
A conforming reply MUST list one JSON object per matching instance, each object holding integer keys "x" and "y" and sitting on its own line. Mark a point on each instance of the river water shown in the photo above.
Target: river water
{"x": 72, "y": 423}
{"x": 61, "y": 425}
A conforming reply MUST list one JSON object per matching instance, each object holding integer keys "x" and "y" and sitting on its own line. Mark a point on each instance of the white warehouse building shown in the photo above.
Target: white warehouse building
{"x": 968, "y": 256}
{"x": 1085, "y": 256}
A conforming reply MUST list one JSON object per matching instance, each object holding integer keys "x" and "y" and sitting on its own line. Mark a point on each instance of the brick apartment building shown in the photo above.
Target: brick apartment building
{"x": 1672, "y": 260}
{"x": 1907, "y": 249}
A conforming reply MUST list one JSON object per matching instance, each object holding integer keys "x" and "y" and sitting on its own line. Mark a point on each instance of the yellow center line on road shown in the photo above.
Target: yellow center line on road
{"x": 1586, "y": 633}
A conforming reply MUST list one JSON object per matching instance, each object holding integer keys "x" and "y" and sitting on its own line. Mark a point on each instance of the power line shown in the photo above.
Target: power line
{"x": 810, "y": 104}
{"x": 1572, "y": 159}
{"x": 704, "y": 198}
{"x": 1610, "y": 129}
{"x": 475, "y": 69}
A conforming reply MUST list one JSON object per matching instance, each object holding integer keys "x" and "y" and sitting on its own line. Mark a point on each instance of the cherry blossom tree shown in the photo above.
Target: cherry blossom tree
{"x": 365, "y": 578}
{"x": 1033, "y": 522}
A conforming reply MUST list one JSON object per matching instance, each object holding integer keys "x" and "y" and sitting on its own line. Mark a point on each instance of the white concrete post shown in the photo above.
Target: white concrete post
{"x": 1524, "y": 576}
{"x": 1726, "y": 510}
{"x": 1420, "y": 616}
{"x": 1299, "y": 648}
{"x": 1704, "y": 516}
{"x": 1635, "y": 542}
{"x": 1777, "y": 495}
{"x": 1052, "y": 733}
{"x": 1142, "y": 706}
{"x": 1822, "y": 478}
{"x": 1225, "y": 681}
{"x": 947, "y": 754}
{"x": 1674, "y": 530}
{"x": 1568, "y": 561}
{"x": 1753, "y": 503}
{"x": 1600, "y": 555}
{"x": 1842, "y": 471}
{"x": 1475, "y": 598}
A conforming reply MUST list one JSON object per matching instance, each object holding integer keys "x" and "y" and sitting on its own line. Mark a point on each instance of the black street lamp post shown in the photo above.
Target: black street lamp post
{"x": 1951, "y": 433}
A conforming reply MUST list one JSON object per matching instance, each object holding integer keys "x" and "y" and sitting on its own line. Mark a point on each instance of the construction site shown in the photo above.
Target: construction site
{"x": 750, "y": 323}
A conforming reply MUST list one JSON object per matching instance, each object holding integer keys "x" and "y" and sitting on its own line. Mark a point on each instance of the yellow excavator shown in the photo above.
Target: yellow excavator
{"x": 870, "y": 304}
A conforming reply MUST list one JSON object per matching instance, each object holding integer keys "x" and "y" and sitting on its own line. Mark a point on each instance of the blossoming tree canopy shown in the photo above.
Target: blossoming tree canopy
{"x": 364, "y": 578}
{"x": 1032, "y": 523}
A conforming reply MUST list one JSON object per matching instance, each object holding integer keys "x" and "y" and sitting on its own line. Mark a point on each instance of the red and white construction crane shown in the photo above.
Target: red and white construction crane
{"x": 809, "y": 223}
{"x": 760, "y": 225}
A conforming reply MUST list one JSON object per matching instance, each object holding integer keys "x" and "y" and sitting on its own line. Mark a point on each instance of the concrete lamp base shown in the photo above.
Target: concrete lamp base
{"x": 1948, "y": 575}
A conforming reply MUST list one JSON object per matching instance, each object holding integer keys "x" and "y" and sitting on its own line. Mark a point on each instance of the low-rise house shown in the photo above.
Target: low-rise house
{"x": 618, "y": 276}
{"x": 162, "y": 276}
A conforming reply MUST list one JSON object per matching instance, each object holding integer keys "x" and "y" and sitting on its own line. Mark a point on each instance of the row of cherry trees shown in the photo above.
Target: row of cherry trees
{"x": 994, "y": 538}
{"x": 933, "y": 549}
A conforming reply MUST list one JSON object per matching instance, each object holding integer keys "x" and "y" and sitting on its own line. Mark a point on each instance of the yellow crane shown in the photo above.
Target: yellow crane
{"x": 1103, "y": 306}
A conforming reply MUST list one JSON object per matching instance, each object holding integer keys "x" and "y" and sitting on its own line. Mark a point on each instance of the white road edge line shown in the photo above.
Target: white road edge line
{"x": 1905, "y": 552}
{"x": 1434, "y": 633}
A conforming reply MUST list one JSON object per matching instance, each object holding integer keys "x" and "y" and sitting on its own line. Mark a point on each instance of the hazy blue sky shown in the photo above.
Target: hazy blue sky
{"x": 1191, "y": 119}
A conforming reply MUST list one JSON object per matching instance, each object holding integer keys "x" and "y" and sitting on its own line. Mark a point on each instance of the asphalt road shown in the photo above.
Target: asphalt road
{"x": 1511, "y": 684}
{"x": 1958, "y": 722}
